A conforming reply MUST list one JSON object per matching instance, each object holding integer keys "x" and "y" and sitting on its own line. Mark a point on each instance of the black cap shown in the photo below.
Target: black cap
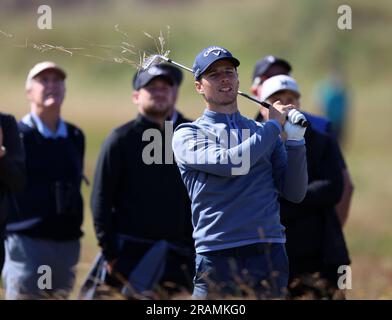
{"x": 263, "y": 64}
{"x": 176, "y": 72}
{"x": 171, "y": 73}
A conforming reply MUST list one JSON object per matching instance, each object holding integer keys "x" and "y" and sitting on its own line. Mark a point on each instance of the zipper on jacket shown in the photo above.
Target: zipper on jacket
{"x": 233, "y": 125}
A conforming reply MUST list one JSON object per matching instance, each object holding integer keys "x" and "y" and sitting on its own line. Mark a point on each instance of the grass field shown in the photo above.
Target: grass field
{"x": 303, "y": 31}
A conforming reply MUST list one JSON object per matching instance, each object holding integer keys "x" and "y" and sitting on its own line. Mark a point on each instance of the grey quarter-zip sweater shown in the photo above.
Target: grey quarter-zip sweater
{"x": 234, "y": 169}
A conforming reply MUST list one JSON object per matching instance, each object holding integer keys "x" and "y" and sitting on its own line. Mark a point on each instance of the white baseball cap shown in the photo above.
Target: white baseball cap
{"x": 278, "y": 83}
{"x": 42, "y": 66}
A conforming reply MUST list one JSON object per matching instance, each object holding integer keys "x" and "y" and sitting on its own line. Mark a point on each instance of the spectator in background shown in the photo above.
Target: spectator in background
{"x": 315, "y": 242}
{"x": 12, "y": 173}
{"x": 42, "y": 243}
{"x": 334, "y": 103}
{"x": 271, "y": 66}
{"x": 141, "y": 210}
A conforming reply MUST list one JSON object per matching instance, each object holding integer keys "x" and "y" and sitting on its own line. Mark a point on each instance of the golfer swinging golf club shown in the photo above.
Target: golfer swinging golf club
{"x": 238, "y": 236}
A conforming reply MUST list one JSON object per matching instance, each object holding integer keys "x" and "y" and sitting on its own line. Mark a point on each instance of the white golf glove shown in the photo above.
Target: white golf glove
{"x": 294, "y": 131}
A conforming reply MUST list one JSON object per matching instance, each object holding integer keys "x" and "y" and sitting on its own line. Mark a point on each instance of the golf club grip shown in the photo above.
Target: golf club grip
{"x": 303, "y": 123}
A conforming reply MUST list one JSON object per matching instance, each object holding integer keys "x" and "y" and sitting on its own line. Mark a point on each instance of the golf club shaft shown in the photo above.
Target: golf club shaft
{"x": 179, "y": 65}
{"x": 254, "y": 99}
{"x": 302, "y": 123}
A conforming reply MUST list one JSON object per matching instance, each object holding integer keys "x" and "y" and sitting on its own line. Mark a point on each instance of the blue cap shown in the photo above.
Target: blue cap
{"x": 208, "y": 56}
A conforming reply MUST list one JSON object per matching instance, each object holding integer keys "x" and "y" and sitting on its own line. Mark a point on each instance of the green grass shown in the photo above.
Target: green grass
{"x": 303, "y": 31}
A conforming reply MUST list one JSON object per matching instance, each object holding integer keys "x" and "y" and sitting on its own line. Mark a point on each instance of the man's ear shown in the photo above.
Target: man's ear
{"x": 135, "y": 97}
{"x": 199, "y": 87}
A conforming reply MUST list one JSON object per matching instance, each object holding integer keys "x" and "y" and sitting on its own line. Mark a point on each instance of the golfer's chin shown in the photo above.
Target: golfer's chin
{"x": 226, "y": 97}
{"x": 227, "y": 100}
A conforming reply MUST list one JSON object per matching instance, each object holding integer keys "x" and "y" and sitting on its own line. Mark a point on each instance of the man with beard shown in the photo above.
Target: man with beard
{"x": 238, "y": 236}
{"x": 140, "y": 206}
{"x": 42, "y": 244}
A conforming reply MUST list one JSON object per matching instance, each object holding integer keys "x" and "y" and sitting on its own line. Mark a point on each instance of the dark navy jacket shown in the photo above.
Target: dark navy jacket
{"x": 51, "y": 205}
{"x": 315, "y": 239}
{"x": 12, "y": 168}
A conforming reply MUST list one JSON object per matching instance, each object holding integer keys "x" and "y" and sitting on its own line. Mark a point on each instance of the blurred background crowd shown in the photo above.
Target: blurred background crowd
{"x": 350, "y": 68}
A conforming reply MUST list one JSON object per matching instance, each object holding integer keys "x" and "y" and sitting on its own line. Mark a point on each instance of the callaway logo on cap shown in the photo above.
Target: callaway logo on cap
{"x": 215, "y": 50}
{"x": 208, "y": 56}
